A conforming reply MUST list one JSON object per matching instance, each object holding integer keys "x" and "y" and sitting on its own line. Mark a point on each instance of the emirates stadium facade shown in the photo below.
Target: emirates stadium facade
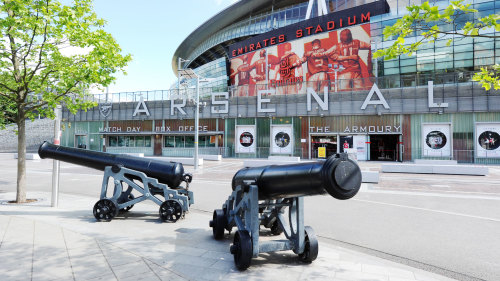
{"x": 298, "y": 78}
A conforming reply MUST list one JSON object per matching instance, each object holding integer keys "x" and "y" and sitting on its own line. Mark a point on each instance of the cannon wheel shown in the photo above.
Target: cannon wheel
{"x": 105, "y": 210}
{"x": 129, "y": 198}
{"x": 311, "y": 246}
{"x": 171, "y": 210}
{"x": 218, "y": 224}
{"x": 275, "y": 228}
{"x": 242, "y": 249}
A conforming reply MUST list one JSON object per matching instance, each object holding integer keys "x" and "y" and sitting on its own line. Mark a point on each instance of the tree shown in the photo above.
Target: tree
{"x": 50, "y": 54}
{"x": 454, "y": 22}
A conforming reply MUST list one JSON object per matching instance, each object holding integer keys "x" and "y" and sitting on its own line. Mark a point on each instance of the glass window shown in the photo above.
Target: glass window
{"x": 409, "y": 69}
{"x": 130, "y": 141}
{"x": 113, "y": 141}
{"x": 484, "y": 54}
{"x": 169, "y": 141}
{"x": 462, "y": 56}
{"x": 391, "y": 63}
{"x": 139, "y": 141}
{"x": 483, "y": 61}
{"x": 425, "y": 66}
{"x": 211, "y": 141}
{"x": 121, "y": 141}
{"x": 463, "y": 63}
{"x": 147, "y": 141}
{"x": 389, "y": 71}
{"x": 444, "y": 65}
{"x": 189, "y": 141}
{"x": 179, "y": 141}
{"x": 408, "y": 62}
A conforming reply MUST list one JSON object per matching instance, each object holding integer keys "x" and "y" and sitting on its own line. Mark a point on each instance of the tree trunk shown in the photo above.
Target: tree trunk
{"x": 21, "y": 161}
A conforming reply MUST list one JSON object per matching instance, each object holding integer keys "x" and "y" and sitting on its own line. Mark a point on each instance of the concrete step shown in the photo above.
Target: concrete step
{"x": 435, "y": 169}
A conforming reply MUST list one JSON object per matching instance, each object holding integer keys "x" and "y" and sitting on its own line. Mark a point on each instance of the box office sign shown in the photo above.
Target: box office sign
{"x": 282, "y": 139}
{"x": 437, "y": 140}
{"x": 245, "y": 139}
{"x": 488, "y": 140}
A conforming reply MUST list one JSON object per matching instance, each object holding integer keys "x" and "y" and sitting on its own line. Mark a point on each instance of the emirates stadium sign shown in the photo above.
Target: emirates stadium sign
{"x": 327, "y": 48}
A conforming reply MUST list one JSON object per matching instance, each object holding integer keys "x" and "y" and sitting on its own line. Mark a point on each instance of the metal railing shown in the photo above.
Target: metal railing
{"x": 285, "y": 88}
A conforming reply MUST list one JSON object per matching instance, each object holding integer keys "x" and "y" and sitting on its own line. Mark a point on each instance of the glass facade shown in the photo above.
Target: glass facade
{"x": 129, "y": 141}
{"x": 188, "y": 141}
{"x": 463, "y": 56}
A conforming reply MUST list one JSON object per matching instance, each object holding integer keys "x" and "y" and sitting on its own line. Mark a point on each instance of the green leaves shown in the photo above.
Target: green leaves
{"x": 432, "y": 24}
{"x": 488, "y": 77}
{"x": 50, "y": 54}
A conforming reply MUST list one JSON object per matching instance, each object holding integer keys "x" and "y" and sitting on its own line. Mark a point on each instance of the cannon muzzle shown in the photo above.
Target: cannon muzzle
{"x": 338, "y": 176}
{"x": 169, "y": 173}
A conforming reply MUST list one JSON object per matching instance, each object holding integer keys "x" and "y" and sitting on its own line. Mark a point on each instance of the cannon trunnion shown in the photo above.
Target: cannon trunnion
{"x": 273, "y": 196}
{"x": 150, "y": 178}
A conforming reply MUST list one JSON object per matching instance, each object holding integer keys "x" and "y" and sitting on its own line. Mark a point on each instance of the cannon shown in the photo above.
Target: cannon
{"x": 263, "y": 196}
{"x": 151, "y": 178}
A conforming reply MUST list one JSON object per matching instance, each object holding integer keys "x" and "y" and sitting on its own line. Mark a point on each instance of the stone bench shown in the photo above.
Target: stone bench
{"x": 435, "y": 169}
{"x": 30, "y": 156}
{"x": 284, "y": 158}
{"x": 370, "y": 176}
{"x": 436, "y": 162}
{"x": 134, "y": 154}
{"x": 211, "y": 157}
{"x": 183, "y": 160}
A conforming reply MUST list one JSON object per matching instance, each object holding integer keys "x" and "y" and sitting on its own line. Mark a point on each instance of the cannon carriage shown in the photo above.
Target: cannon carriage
{"x": 273, "y": 196}
{"x": 150, "y": 178}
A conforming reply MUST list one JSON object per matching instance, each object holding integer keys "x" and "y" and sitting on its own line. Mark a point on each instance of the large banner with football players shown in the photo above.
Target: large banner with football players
{"x": 341, "y": 56}
{"x": 488, "y": 140}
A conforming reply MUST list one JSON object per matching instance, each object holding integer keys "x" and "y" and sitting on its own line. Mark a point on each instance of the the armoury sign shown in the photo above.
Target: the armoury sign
{"x": 360, "y": 129}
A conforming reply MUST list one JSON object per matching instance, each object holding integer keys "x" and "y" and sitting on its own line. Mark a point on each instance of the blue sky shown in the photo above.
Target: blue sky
{"x": 151, "y": 30}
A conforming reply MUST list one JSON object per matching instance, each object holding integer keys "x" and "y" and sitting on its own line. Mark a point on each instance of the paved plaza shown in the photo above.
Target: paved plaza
{"x": 66, "y": 243}
{"x": 38, "y": 242}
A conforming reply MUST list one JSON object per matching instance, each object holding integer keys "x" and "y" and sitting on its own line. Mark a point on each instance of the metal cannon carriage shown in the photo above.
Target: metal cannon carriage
{"x": 150, "y": 178}
{"x": 263, "y": 195}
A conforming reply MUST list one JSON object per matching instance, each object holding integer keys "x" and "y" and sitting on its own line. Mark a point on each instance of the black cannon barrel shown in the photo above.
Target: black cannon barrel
{"x": 169, "y": 173}
{"x": 338, "y": 176}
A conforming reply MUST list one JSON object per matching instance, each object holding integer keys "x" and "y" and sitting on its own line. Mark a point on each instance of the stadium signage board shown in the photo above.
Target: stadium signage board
{"x": 345, "y": 18}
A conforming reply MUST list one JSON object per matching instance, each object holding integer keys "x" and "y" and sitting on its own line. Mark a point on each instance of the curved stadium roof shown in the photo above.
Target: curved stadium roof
{"x": 232, "y": 14}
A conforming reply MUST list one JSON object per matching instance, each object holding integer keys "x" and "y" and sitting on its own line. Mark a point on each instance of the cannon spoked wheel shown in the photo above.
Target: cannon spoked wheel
{"x": 218, "y": 224}
{"x": 311, "y": 246}
{"x": 171, "y": 210}
{"x": 275, "y": 228}
{"x": 105, "y": 210}
{"x": 129, "y": 198}
{"x": 242, "y": 249}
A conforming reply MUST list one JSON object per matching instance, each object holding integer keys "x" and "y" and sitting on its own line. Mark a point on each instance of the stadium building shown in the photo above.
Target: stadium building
{"x": 298, "y": 78}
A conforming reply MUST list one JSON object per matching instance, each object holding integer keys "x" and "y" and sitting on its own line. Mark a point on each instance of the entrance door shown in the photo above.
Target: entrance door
{"x": 328, "y": 142}
{"x": 157, "y": 145}
{"x": 81, "y": 141}
{"x": 384, "y": 147}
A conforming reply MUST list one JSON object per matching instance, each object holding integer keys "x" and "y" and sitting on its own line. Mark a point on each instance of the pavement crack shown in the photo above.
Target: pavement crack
{"x": 5, "y": 232}
{"x": 67, "y": 252}
{"x": 107, "y": 261}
